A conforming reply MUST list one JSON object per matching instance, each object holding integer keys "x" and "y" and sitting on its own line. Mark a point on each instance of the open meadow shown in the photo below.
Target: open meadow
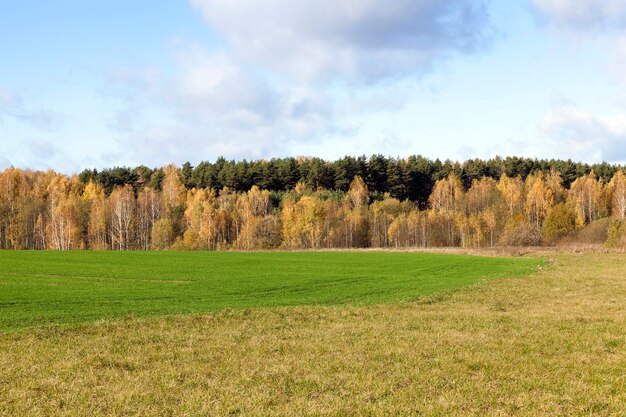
{"x": 313, "y": 208}
{"x": 311, "y": 333}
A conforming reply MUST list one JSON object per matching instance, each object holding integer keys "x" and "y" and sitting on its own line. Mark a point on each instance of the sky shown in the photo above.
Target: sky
{"x": 124, "y": 83}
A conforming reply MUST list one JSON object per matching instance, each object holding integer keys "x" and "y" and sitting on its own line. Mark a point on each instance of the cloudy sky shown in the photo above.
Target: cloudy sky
{"x": 118, "y": 82}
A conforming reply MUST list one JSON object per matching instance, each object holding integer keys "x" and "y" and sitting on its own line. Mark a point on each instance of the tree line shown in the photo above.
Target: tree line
{"x": 301, "y": 203}
{"x": 409, "y": 178}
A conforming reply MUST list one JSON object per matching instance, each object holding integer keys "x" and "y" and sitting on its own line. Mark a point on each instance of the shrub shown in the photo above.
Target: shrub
{"x": 561, "y": 219}
{"x": 595, "y": 232}
{"x": 268, "y": 233}
{"x": 518, "y": 232}
{"x": 616, "y": 234}
{"x": 162, "y": 234}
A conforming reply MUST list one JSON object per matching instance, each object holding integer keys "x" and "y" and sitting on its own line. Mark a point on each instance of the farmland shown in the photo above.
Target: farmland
{"x": 70, "y": 287}
{"x": 328, "y": 334}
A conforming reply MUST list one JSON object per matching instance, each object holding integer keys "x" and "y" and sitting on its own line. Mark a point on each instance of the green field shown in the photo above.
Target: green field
{"x": 370, "y": 342}
{"x": 40, "y": 288}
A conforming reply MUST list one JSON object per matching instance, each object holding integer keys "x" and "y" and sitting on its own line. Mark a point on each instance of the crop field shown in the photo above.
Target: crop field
{"x": 311, "y": 334}
{"x": 69, "y": 287}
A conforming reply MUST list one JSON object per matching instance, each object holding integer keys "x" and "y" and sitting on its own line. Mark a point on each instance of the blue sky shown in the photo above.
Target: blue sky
{"x": 100, "y": 84}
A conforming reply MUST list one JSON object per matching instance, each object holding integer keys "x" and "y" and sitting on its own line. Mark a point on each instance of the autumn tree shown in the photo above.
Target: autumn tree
{"x": 228, "y": 220}
{"x": 539, "y": 199}
{"x": 398, "y": 231}
{"x": 587, "y": 195}
{"x": 554, "y": 182}
{"x": 18, "y": 209}
{"x": 125, "y": 208}
{"x": 447, "y": 195}
{"x": 488, "y": 219}
{"x": 442, "y": 229}
{"x": 98, "y": 218}
{"x": 62, "y": 228}
{"x": 446, "y": 201}
{"x": 303, "y": 222}
{"x": 512, "y": 192}
{"x": 21, "y": 203}
{"x": 252, "y": 207}
{"x": 382, "y": 214}
{"x": 162, "y": 235}
{"x": 149, "y": 210}
{"x": 174, "y": 196}
{"x": 482, "y": 195}
{"x": 122, "y": 210}
{"x": 470, "y": 230}
{"x": 9, "y": 192}
{"x": 201, "y": 220}
{"x": 356, "y": 214}
{"x": 560, "y": 220}
{"x": 617, "y": 190}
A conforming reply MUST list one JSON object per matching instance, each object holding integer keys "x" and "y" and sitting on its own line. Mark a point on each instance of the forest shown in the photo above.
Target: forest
{"x": 310, "y": 203}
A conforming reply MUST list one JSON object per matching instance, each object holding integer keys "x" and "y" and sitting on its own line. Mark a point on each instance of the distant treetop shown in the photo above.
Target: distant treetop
{"x": 409, "y": 178}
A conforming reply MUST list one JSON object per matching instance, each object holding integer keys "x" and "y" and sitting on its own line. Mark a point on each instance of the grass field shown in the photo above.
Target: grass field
{"x": 70, "y": 287}
{"x": 547, "y": 343}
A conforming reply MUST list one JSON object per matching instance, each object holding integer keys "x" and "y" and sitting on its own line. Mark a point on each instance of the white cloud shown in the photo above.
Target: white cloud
{"x": 584, "y": 14}
{"x": 618, "y": 65}
{"x": 215, "y": 85}
{"x": 366, "y": 40}
{"x": 580, "y": 135}
{"x": 601, "y": 23}
{"x": 214, "y": 105}
{"x": 291, "y": 76}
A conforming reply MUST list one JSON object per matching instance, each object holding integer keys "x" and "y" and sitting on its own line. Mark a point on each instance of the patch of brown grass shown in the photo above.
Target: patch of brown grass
{"x": 550, "y": 344}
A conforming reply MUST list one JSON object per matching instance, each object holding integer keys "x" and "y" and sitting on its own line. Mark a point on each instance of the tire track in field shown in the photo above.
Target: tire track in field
{"x": 162, "y": 281}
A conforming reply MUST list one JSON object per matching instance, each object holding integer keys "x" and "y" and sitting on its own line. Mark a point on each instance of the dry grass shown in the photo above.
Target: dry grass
{"x": 498, "y": 251}
{"x": 550, "y": 344}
